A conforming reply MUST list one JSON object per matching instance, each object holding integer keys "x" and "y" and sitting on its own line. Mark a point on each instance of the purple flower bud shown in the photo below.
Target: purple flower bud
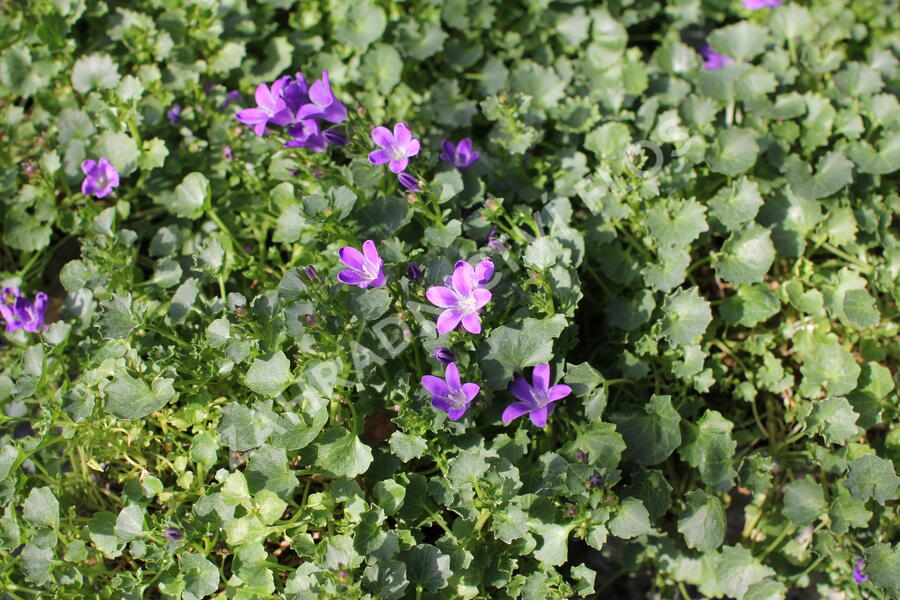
{"x": 414, "y": 271}
{"x": 174, "y": 114}
{"x": 858, "y": 575}
{"x": 494, "y": 242}
{"x": 29, "y": 167}
{"x": 317, "y": 174}
{"x": 174, "y": 535}
{"x": 240, "y": 310}
{"x": 581, "y": 456}
{"x": 443, "y": 355}
{"x": 409, "y": 182}
{"x": 228, "y": 153}
{"x": 572, "y": 511}
{"x": 248, "y": 248}
{"x": 595, "y": 480}
{"x": 310, "y": 272}
{"x": 208, "y": 87}
{"x": 310, "y": 319}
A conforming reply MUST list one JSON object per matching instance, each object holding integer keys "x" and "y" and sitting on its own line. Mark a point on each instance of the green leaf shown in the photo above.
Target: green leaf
{"x": 584, "y": 578}
{"x": 386, "y": 579}
{"x": 36, "y": 562}
{"x": 830, "y": 365}
{"x": 832, "y": 173}
{"x": 832, "y": 418}
{"x": 734, "y": 152}
{"x": 130, "y": 398}
{"x": 651, "y": 434}
{"x": 804, "y": 501}
{"x": 95, "y": 71}
{"x": 510, "y": 349}
{"x": 201, "y": 577}
{"x": 426, "y": 566}
{"x": 153, "y": 154}
{"x": 737, "y": 204}
{"x": 686, "y": 316}
{"x": 407, "y": 446}
{"x": 241, "y": 428}
{"x": 339, "y": 453}
{"x": 102, "y": 531}
{"x": 602, "y": 443}
{"x": 766, "y": 590}
{"x": 883, "y": 161}
{"x": 751, "y": 305}
{"x": 121, "y": 150}
{"x": 846, "y": 513}
{"x": 270, "y": 375}
{"x": 883, "y": 566}
{"x": 746, "y": 256}
{"x": 737, "y": 569}
{"x": 678, "y": 226}
{"x": 268, "y": 469}
{"x": 129, "y": 523}
{"x": 709, "y": 448}
{"x": 703, "y": 521}
{"x": 362, "y": 25}
{"x": 190, "y": 196}
{"x": 860, "y": 308}
{"x": 631, "y": 519}
{"x": 41, "y": 508}
{"x": 383, "y": 66}
{"x": 9, "y": 454}
{"x": 742, "y": 41}
{"x": 117, "y": 320}
{"x": 872, "y": 477}
{"x": 369, "y": 304}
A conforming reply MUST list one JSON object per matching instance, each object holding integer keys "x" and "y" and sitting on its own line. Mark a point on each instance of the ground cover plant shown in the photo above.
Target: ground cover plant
{"x": 463, "y": 299}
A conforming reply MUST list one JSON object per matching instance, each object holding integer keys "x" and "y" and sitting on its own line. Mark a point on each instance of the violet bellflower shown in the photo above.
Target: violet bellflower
{"x": 20, "y": 313}
{"x": 323, "y": 104}
{"x": 365, "y": 267}
{"x": 307, "y": 134}
{"x": 174, "y": 114}
{"x": 396, "y": 147}
{"x": 100, "y": 177}
{"x": 409, "y": 182}
{"x": 450, "y": 394}
{"x": 483, "y": 272}
{"x": 858, "y": 576}
{"x": 462, "y": 298}
{"x": 758, "y": 4}
{"x": 535, "y": 399}
{"x": 270, "y": 108}
{"x": 460, "y": 156}
{"x": 713, "y": 60}
{"x": 445, "y": 356}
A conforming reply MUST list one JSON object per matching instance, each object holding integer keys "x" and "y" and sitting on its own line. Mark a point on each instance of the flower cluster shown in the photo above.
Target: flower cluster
{"x": 290, "y": 102}
{"x": 398, "y": 146}
{"x": 20, "y": 313}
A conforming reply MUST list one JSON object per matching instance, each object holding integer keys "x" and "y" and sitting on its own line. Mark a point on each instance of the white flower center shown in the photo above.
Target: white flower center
{"x": 457, "y": 398}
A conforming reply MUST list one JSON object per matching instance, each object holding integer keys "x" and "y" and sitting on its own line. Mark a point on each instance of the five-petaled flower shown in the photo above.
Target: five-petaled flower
{"x": 535, "y": 399}
{"x": 365, "y": 267}
{"x": 100, "y": 177}
{"x": 460, "y": 156}
{"x": 323, "y": 103}
{"x": 713, "y": 60}
{"x": 396, "y": 148}
{"x": 449, "y": 394}
{"x": 20, "y": 313}
{"x": 462, "y": 297}
{"x": 271, "y": 108}
{"x": 858, "y": 575}
{"x": 758, "y": 4}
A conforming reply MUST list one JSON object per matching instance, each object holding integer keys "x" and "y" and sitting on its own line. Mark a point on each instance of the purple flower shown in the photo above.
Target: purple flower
{"x": 581, "y": 456}
{"x": 19, "y": 313}
{"x": 461, "y": 156}
{"x": 271, "y": 108}
{"x": 295, "y": 93}
{"x": 397, "y": 147}
{"x": 228, "y": 153}
{"x": 535, "y": 399}
{"x": 462, "y": 297}
{"x": 595, "y": 480}
{"x": 484, "y": 270}
{"x": 495, "y": 243}
{"x": 365, "y": 267}
{"x": 174, "y": 114}
{"x": 445, "y": 356}
{"x": 311, "y": 273}
{"x": 307, "y": 134}
{"x": 232, "y": 96}
{"x": 858, "y": 575}
{"x": 100, "y": 177}
{"x": 714, "y": 60}
{"x": 174, "y": 535}
{"x": 323, "y": 104}
{"x": 450, "y": 396}
{"x": 758, "y": 4}
{"x": 414, "y": 271}
{"x": 335, "y": 137}
{"x": 409, "y": 182}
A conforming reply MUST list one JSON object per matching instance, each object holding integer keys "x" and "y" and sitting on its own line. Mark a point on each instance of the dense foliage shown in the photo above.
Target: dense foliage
{"x": 667, "y": 363}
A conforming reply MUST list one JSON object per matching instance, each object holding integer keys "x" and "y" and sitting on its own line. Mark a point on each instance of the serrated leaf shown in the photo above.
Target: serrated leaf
{"x": 510, "y": 349}
{"x": 737, "y": 204}
{"x": 703, "y": 522}
{"x": 117, "y": 320}
{"x": 686, "y": 316}
{"x": 339, "y": 453}
{"x": 130, "y": 398}
{"x": 737, "y": 569}
{"x": 746, "y": 256}
{"x": 883, "y": 565}
{"x": 833, "y": 172}
{"x": 860, "y": 308}
{"x": 734, "y": 152}
{"x": 631, "y": 519}
{"x": 426, "y": 566}
{"x": 832, "y": 366}
{"x": 651, "y": 434}
{"x": 269, "y": 375}
{"x": 872, "y": 477}
{"x": 678, "y": 226}
{"x": 834, "y": 419}
{"x": 129, "y": 523}
{"x": 201, "y": 577}
{"x": 41, "y": 508}
{"x": 709, "y": 448}
{"x": 804, "y": 501}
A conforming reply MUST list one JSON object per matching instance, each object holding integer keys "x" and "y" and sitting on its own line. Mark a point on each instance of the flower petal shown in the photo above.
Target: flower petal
{"x": 88, "y": 166}
{"x": 515, "y": 410}
{"x": 472, "y": 323}
{"x": 464, "y": 147}
{"x": 441, "y": 296}
{"x": 351, "y": 257}
{"x": 402, "y": 135}
{"x": 484, "y": 271}
{"x": 379, "y": 280}
{"x": 383, "y": 137}
{"x": 397, "y": 166}
{"x": 436, "y": 386}
{"x": 464, "y": 279}
{"x": 558, "y": 392}
{"x": 371, "y": 252}
{"x": 482, "y": 297}
{"x": 454, "y": 415}
{"x": 470, "y": 390}
{"x": 448, "y": 320}
{"x": 413, "y": 148}
{"x": 540, "y": 377}
{"x": 451, "y": 374}
{"x": 379, "y": 157}
{"x": 448, "y": 148}
{"x": 350, "y": 277}
{"x": 539, "y": 416}
{"x": 441, "y": 404}
{"x": 520, "y": 389}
